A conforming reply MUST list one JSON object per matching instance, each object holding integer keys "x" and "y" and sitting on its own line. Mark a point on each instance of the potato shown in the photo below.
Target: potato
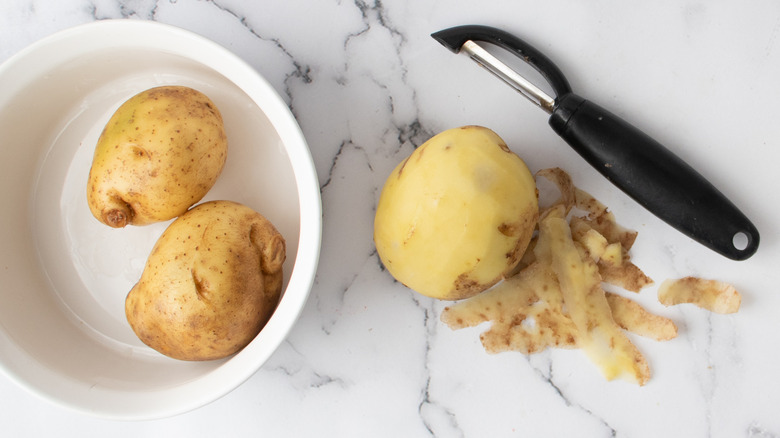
{"x": 210, "y": 284}
{"x": 158, "y": 155}
{"x": 457, "y": 215}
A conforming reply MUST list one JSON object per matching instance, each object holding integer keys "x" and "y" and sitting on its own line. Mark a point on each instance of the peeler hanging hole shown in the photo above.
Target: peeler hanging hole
{"x": 741, "y": 241}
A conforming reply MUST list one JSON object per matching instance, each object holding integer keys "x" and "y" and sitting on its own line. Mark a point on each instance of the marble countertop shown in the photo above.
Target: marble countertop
{"x": 367, "y": 84}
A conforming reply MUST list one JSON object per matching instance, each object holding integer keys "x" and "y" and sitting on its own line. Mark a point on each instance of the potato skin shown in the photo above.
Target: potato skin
{"x": 456, "y": 216}
{"x": 210, "y": 284}
{"x": 159, "y": 154}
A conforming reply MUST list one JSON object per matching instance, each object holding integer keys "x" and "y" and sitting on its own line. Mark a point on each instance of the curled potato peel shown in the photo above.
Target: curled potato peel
{"x": 713, "y": 295}
{"x": 554, "y": 294}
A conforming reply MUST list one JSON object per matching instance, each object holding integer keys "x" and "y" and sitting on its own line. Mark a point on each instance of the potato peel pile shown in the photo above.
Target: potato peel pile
{"x": 555, "y": 297}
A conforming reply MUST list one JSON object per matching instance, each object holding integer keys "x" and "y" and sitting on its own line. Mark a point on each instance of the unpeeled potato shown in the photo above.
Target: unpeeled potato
{"x": 210, "y": 284}
{"x": 158, "y": 155}
{"x": 457, "y": 215}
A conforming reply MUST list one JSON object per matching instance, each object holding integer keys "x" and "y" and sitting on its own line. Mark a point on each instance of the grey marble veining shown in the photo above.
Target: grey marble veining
{"x": 368, "y": 85}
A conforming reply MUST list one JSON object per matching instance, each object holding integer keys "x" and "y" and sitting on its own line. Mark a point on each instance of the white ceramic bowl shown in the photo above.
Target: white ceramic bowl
{"x": 64, "y": 276}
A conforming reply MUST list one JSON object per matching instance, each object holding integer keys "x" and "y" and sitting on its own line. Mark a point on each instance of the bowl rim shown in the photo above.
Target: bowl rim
{"x": 236, "y": 370}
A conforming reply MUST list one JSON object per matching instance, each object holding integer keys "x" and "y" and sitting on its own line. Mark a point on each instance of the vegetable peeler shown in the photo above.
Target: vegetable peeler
{"x": 644, "y": 169}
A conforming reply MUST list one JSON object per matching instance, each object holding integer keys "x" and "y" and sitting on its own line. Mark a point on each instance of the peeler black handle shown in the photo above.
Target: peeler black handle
{"x": 654, "y": 177}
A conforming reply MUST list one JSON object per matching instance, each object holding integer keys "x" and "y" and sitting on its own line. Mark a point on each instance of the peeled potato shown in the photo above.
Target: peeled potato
{"x": 210, "y": 284}
{"x": 457, "y": 215}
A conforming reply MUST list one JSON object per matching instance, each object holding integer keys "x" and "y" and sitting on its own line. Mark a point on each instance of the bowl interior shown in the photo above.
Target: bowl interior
{"x": 65, "y": 275}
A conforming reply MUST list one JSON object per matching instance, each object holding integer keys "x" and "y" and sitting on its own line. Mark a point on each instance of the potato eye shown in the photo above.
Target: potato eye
{"x": 140, "y": 152}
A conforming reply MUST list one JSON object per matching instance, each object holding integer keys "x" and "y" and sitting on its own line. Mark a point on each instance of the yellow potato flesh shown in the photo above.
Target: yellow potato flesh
{"x": 159, "y": 154}
{"x": 456, "y": 215}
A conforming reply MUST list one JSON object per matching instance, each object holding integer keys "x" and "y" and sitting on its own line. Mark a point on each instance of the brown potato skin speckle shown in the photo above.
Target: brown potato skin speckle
{"x": 210, "y": 284}
{"x": 158, "y": 155}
